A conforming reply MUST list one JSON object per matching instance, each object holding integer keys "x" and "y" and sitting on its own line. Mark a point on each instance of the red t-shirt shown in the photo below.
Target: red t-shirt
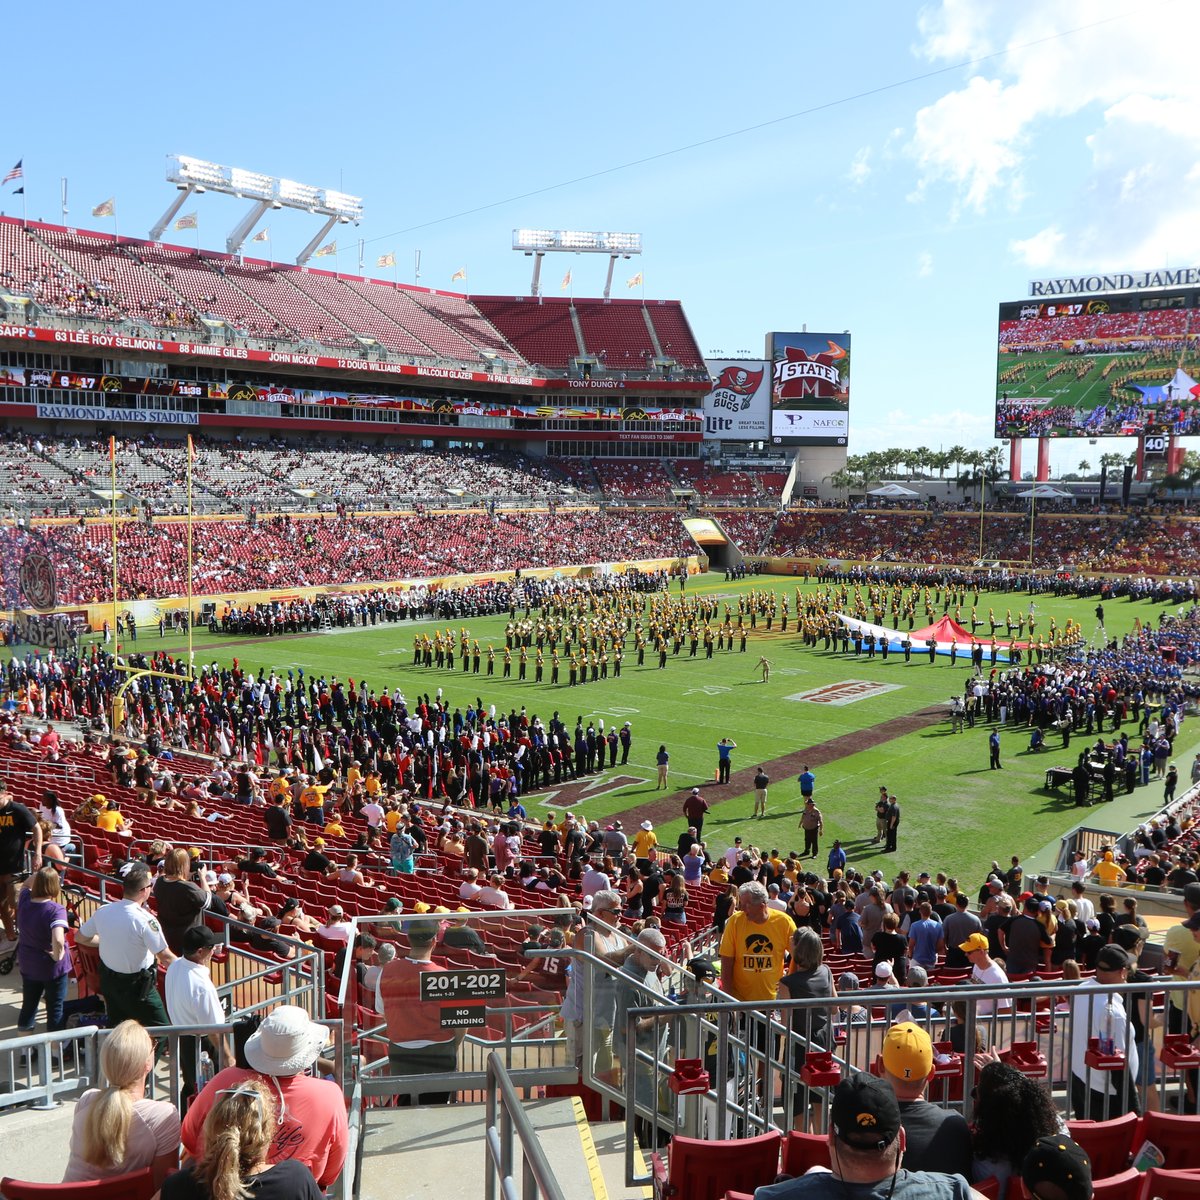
{"x": 313, "y": 1129}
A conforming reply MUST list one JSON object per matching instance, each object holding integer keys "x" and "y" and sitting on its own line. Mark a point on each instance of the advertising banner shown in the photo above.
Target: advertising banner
{"x": 738, "y": 409}
{"x": 810, "y": 388}
{"x": 324, "y": 362}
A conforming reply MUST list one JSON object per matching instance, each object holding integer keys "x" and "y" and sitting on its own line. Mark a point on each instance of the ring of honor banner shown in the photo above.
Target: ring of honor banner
{"x": 810, "y": 388}
{"x": 738, "y": 409}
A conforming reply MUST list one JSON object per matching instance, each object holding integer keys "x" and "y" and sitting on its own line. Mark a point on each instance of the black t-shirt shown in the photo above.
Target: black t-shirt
{"x": 16, "y": 824}
{"x": 314, "y": 860}
{"x": 288, "y": 1180}
{"x": 1153, "y": 876}
{"x": 277, "y": 821}
{"x": 180, "y": 905}
{"x": 257, "y": 867}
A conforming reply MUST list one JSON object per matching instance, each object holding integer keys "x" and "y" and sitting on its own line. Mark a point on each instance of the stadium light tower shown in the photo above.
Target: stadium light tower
{"x": 193, "y": 175}
{"x": 540, "y": 242}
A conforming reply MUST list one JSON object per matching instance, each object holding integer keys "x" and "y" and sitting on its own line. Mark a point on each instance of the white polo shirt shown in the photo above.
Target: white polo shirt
{"x": 191, "y": 995}
{"x": 130, "y": 936}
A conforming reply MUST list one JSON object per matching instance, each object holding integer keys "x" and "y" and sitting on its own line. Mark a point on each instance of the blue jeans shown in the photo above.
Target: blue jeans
{"x": 55, "y": 992}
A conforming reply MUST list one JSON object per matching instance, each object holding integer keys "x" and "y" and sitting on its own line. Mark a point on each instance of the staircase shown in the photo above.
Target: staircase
{"x": 438, "y": 1152}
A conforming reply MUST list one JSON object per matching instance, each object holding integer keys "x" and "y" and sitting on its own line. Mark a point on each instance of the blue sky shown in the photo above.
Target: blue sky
{"x": 903, "y": 213}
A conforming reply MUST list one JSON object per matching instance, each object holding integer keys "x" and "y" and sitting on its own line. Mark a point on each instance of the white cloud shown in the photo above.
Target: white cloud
{"x": 1074, "y": 83}
{"x": 924, "y": 265}
{"x": 860, "y": 167}
{"x": 953, "y": 31}
{"x": 973, "y": 140}
{"x": 1040, "y": 250}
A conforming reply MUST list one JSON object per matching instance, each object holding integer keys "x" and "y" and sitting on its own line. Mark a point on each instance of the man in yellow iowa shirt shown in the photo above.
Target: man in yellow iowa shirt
{"x": 753, "y": 946}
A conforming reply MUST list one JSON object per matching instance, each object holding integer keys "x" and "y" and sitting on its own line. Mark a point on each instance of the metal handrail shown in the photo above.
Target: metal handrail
{"x": 755, "y": 1048}
{"x": 506, "y": 1119}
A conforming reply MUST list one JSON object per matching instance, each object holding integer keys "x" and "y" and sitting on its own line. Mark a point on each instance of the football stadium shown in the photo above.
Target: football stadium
{"x": 476, "y": 744}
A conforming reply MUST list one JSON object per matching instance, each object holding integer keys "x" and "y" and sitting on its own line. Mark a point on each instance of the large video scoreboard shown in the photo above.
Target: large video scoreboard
{"x": 1119, "y": 363}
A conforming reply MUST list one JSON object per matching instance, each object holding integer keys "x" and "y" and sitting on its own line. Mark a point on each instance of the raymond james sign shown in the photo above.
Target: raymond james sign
{"x": 1117, "y": 281}
{"x": 99, "y": 412}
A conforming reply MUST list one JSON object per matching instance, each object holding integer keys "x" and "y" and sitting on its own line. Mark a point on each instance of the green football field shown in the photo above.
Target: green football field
{"x": 1084, "y": 390}
{"x": 957, "y": 815}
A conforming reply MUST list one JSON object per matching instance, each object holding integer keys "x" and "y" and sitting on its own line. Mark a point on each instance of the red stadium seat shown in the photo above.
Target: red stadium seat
{"x": 136, "y": 1185}
{"x": 802, "y": 1151}
{"x": 1108, "y": 1144}
{"x": 700, "y": 1170}
{"x": 1163, "y": 1184}
{"x": 1127, "y": 1185}
{"x": 1178, "y": 1137}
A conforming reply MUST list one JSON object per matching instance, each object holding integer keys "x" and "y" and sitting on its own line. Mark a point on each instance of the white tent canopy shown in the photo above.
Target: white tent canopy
{"x": 1180, "y": 387}
{"x": 1044, "y": 491}
{"x": 894, "y": 491}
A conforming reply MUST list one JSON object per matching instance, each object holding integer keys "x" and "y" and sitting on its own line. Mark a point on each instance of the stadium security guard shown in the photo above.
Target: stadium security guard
{"x": 131, "y": 944}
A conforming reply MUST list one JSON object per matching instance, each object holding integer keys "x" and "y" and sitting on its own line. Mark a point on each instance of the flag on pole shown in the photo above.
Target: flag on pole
{"x": 106, "y": 209}
{"x": 327, "y": 249}
{"x": 566, "y": 283}
{"x": 18, "y": 191}
{"x": 188, "y": 221}
{"x": 386, "y": 260}
{"x": 18, "y": 172}
{"x": 636, "y": 281}
{"x": 263, "y": 235}
{"x": 461, "y": 273}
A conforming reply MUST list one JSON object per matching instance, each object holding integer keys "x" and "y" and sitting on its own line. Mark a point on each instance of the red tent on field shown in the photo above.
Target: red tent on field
{"x": 944, "y": 629}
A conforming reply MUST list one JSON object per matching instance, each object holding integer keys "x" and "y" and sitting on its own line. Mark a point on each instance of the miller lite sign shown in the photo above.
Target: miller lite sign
{"x": 738, "y": 407}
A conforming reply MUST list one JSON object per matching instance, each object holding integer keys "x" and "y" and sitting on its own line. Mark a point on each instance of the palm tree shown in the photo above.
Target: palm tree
{"x": 842, "y": 480}
{"x": 939, "y": 460}
{"x": 958, "y": 455}
{"x": 1084, "y": 467}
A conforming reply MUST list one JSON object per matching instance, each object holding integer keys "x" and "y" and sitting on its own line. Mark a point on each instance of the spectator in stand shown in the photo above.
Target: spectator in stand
{"x": 181, "y": 901}
{"x": 191, "y": 999}
{"x": 115, "y": 1129}
{"x": 1011, "y": 1112}
{"x": 42, "y": 951}
{"x": 936, "y": 1138}
{"x": 494, "y": 895}
{"x": 311, "y": 1126}
{"x": 808, "y": 978}
{"x": 336, "y": 927}
{"x": 866, "y": 1147}
{"x": 238, "y": 1135}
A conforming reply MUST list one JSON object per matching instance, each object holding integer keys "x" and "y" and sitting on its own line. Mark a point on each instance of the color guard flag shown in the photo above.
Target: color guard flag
{"x": 106, "y": 209}
{"x": 328, "y": 248}
{"x": 263, "y": 235}
{"x": 461, "y": 273}
{"x": 386, "y": 260}
{"x": 188, "y": 221}
{"x": 636, "y": 281}
{"x": 18, "y": 172}
{"x": 566, "y": 283}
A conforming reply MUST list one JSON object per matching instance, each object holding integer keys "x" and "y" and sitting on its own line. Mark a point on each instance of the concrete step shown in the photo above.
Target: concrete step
{"x": 439, "y": 1152}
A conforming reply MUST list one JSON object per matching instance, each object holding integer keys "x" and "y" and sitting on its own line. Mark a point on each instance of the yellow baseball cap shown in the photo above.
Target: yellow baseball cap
{"x": 977, "y": 941}
{"x": 907, "y": 1052}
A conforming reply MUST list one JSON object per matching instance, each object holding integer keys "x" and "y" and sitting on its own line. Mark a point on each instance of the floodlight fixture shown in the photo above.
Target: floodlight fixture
{"x": 196, "y": 175}
{"x": 539, "y": 242}
{"x": 576, "y": 241}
